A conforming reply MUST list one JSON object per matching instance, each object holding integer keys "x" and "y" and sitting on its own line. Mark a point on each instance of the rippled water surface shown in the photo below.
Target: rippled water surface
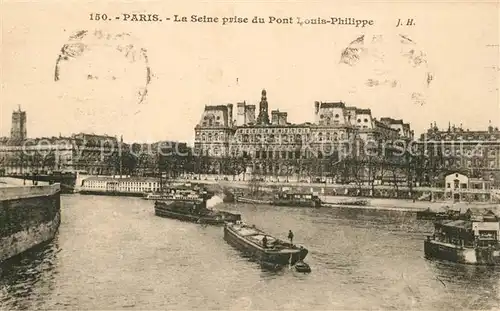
{"x": 113, "y": 253}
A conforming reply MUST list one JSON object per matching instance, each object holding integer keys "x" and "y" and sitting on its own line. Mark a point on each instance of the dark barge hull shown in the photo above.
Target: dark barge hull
{"x": 259, "y": 253}
{"x": 477, "y": 256}
{"x": 297, "y": 204}
{"x": 162, "y": 210}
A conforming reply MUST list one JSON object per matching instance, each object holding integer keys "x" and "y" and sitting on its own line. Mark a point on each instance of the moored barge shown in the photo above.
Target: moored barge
{"x": 428, "y": 214}
{"x": 296, "y": 199}
{"x": 475, "y": 240}
{"x": 187, "y": 205}
{"x": 291, "y": 199}
{"x": 262, "y": 246}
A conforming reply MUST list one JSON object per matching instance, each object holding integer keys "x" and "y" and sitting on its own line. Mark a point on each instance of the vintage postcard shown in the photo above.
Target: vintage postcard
{"x": 249, "y": 155}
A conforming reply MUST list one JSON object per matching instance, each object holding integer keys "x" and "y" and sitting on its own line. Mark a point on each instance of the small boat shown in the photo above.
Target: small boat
{"x": 475, "y": 240}
{"x": 302, "y": 267}
{"x": 262, "y": 246}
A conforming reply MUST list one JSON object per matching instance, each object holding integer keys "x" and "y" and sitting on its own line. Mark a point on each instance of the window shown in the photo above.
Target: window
{"x": 366, "y": 120}
{"x": 359, "y": 120}
{"x": 337, "y": 115}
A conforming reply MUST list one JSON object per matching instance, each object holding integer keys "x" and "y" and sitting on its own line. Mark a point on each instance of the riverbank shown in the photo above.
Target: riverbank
{"x": 409, "y": 205}
{"x": 29, "y": 215}
{"x": 327, "y": 194}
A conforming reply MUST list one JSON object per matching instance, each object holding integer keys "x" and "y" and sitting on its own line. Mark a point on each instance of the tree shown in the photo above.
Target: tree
{"x": 129, "y": 162}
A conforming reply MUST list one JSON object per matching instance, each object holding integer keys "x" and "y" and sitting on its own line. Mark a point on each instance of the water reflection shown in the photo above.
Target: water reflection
{"x": 27, "y": 279}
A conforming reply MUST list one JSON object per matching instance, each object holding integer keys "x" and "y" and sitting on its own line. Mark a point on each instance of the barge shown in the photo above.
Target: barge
{"x": 474, "y": 240}
{"x": 252, "y": 201}
{"x": 351, "y": 202}
{"x": 428, "y": 214}
{"x": 262, "y": 246}
{"x": 296, "y": 199}
{"x": 291, "y": 199}
{"x": 188, "y": 205}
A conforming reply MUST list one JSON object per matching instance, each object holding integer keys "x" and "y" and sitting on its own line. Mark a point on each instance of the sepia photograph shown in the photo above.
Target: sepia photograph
{"x": 249, "y": 155}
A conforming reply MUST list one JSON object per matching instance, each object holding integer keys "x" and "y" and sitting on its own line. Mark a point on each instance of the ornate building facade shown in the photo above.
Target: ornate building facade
{"x": 475, "y": 153}
{"x": 271, "y": 143}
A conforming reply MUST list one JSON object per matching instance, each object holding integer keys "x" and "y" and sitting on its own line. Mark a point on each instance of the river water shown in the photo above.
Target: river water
{"x": 113, "y": 253}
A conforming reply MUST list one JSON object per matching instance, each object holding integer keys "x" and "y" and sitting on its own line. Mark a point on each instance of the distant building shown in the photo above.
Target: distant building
{"x": 475, "y": 153}
{"x": 84, "y": 152}
{"x": 18, "y": 127}
{"x": 460, "y": 187}
{"x": 131, "y": 186}
{"x": 271, "y": 142}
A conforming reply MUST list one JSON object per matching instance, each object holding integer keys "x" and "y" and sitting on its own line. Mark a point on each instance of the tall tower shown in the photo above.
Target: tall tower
{"x": 18, "y": 127}
{"x": 263, "y": 117}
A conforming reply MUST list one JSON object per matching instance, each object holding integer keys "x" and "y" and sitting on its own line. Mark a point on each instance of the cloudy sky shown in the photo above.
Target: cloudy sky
{"x": 101, "y": 89}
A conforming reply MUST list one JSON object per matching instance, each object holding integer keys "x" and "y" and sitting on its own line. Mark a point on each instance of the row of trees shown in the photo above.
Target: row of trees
{"x": 359, "y": 168}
